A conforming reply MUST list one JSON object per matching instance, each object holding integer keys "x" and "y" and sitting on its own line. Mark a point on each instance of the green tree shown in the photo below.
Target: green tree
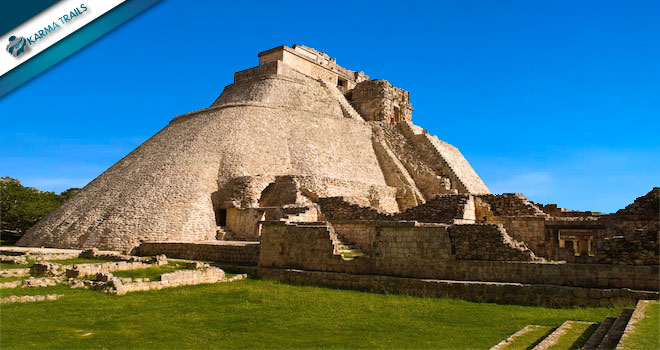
{"x": 66, "y": 195}
{"x": 21, "y": 207}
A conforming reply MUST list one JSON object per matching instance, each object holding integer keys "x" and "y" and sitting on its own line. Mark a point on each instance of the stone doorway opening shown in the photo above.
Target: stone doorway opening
{"x": 221, "y": 217}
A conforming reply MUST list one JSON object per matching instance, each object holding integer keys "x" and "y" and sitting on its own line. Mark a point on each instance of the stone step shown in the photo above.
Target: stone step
{"x": 567, "y": 334}
{"x": 348, "y": 251}
{"x": 615, "y": 332}
{"x": 599, "y": 334}
{"x": 637, "y": 315}
{"x": 525, "y": 338}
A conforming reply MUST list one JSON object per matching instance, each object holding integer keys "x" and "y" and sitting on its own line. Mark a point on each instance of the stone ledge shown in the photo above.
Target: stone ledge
{"x": 497, "y": 292}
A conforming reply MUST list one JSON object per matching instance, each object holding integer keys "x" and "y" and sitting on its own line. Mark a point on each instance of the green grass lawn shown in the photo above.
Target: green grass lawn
{"x": 646, "y": 334}
{"x": 529, "y": 339}
{"x": 15, "y": 266}
{"x": 575, "y": 338}
{"x": 265, "y": 314}
{"x": 11, "y": 279}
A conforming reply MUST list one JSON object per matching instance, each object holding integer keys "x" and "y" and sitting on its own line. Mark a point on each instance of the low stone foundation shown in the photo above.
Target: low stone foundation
{"x": 178, "y": 278}
{"x": 15, "y": 272}
{"x": 497, "y": 292}
{"x": 31, "y": 283}
{"x": 238, "y": 252}
{"x": 90, "y": 269}
{"x": 29, "y": 298}
{"x": 8, "y": 259}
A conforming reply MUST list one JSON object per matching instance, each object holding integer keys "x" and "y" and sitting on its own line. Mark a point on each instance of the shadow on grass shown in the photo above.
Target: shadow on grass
{"x": 579, "y": 343}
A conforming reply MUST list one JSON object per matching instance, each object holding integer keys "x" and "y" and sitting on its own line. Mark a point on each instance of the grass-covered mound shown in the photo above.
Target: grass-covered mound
{"x": 264, "y": 314}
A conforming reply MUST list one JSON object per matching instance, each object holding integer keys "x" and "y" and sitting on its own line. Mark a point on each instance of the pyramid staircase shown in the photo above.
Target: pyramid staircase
{"x": 575, "y": 334}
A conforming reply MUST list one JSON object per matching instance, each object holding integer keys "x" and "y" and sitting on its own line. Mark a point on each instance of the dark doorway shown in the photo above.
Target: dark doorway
{"x": 221, "y": 217}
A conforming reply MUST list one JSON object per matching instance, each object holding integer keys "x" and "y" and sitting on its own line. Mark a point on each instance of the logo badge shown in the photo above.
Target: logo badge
{"x": 17, "y": 45}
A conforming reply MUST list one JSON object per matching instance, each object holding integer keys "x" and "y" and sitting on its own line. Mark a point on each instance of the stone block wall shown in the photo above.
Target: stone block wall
{"x": 511, "y": 204}
{"x": 441, "y": 209}
{"x": 337, "y": 209}
{"x": 640, "y": 249}
{"x": 412, "y": 241}
{"x": 360, "y": 233}
{"x": 229, "y": 252}
{"x": 400, "y": 250}
{"x": 532, "y": 231}
{"x": 244, "y": 223}
{"x": 299, "y": 245}
{"x": 378, "y": 100}
{"x": 487, "y": 242}
{"x": 647, "y": 206}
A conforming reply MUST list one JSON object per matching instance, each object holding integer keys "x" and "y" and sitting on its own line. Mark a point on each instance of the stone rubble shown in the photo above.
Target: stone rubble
{"x": 47, "y": 269}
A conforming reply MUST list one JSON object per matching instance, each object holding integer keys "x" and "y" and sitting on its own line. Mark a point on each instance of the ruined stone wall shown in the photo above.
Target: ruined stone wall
{"x": 521, "y": 219}
{"x": 244, "y": 223}
{"x": 487, "y": 242}
{"x": 307, "y": 246}
{"x": 511, "y": 204}
{"x": 378, "y": 100}
{"x": 516, "y": 293}
{"x": 640, "y": 249}
{"x": 237, "y": 252}
{"x": 647, "y": 206}
{"x": 626, "y": 237}
{"x": 397, "y": 243}
{"x": 441, "y": 209}
{"x": 290, "y": 246}
{"x": 337, "y": 209}
{"x": 531, "y": 230}
{"x": 361, "y": 233}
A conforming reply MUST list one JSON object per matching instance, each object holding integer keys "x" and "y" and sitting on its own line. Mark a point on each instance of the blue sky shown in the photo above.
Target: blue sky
{"x": 558, "y": 100}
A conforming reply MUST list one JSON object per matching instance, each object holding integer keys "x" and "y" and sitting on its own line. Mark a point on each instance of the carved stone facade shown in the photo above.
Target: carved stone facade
{"x": 378, "y": 100}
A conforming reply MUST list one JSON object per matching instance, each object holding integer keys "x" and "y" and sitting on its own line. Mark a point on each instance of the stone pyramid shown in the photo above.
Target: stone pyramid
{"x": 294, "y": 129}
